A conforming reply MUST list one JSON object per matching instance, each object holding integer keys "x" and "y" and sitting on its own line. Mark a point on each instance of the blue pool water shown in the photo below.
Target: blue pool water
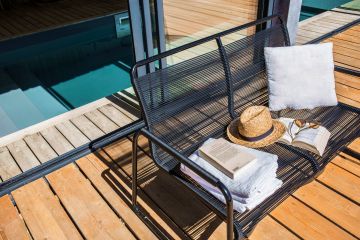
{"x": 48, "y": 73}
{"x": 311, "y": 8}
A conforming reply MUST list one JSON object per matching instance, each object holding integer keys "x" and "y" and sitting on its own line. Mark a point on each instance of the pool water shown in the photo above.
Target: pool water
{"x": 311, "y": 8}
{"x": 49, "y": 73}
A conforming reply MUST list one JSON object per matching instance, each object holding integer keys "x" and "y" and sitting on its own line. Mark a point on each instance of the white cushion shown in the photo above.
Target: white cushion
{"x": 300, "y": 77}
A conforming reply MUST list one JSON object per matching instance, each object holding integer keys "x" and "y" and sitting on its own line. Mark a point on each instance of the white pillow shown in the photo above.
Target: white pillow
{"x": 300, "y": 77}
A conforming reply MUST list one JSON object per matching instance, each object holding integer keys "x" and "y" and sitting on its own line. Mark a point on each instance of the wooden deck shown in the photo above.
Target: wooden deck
{"x": 197, "y": 19}
{"x": 183, "y": 22}
{"x": 90, "y": 199}
{"x": 347, "y": 48}
{"x": 200, "y": 18}
{"x": 324, "y": 23}
{"x": 27, "y": 18}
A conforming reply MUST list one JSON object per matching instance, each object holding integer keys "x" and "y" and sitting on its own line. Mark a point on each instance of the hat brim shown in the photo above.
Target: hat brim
{"x": 234, "y": 136}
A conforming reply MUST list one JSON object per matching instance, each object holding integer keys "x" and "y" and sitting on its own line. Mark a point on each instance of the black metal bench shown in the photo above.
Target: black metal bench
{"x": 186, "y": 103}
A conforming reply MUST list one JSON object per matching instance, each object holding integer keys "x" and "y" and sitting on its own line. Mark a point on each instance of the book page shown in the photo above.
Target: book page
{"x": 291, "y": 129}
{"x": 316, "y": 139}
{"x": 225, "y": 156}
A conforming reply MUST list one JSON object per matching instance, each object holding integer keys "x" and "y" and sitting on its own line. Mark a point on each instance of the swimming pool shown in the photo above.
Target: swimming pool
{"x": 311, "y": 8}
{"x": 48, "y": 73}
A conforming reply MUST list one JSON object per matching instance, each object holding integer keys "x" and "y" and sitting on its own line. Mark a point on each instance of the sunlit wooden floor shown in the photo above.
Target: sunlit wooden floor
{"x": 324, "y": 23}
{"x": 90, "y": 199}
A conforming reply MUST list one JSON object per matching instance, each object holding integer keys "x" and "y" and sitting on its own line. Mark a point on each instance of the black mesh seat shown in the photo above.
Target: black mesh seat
{"x": 187, "y": 103}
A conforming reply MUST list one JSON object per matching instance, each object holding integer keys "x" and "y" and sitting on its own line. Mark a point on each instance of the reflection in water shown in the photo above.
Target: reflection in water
{"x": 62, "y": 69}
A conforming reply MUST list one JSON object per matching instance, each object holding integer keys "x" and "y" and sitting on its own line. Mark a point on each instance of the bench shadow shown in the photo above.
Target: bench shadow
{"x": 177, "y": 206}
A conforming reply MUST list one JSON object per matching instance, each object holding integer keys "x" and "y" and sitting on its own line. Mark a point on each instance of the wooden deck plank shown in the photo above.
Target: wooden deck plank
{"x": 8, "y": 167}
{"x": 23, "y": 155}
{"x": 41, "y": 208}
{"x": 87, "y": 127}
{"x": 99, "y": 183}
{"x": 215, "y": 19}
{"x": 348, "y": 163}
{"x": 346, "y": 48}
{"x": 349, "y": 184}
{"x": 115, "y": 115}
{"x": 332, "y": 205}
{"x": 92, "y": 215}
{"x": 101, "y": 121}
{"x": 348, "y": 101}
{"x": 348, "y": 80}
{"x": 347, "y": 91}
{"x": 178, "y": 9}
{"x": 343, "y": 44}
{"x": 56, "y": 140}
{"x": 355, "y": 145}
{"x": 72, "y": 133}
{"x": 206, "y": 17}
{"x": 97, "y": 172}
{"x": 269, "y": 229}
{"x": 11, "y": 225}
{"x": 94, "y": 171}
{"x": 43, "y": 212}
{"x": 307, "y": 223}
{"x": 37, "y": 142}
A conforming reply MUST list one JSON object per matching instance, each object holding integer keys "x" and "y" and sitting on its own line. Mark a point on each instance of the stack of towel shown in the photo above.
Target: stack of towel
{"x": 256, "y": 181}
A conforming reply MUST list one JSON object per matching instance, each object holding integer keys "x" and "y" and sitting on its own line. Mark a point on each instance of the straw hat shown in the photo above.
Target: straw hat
{"x": 255, "y": 128}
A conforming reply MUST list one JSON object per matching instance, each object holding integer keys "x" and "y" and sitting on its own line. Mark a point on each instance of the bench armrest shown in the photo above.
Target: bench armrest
{"x": 188, "y": 163}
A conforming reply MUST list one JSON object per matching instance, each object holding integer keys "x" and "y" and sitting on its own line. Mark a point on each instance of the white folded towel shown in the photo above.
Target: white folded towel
{"x": 242, "y": 207}
{"x": 254, "y": 184}
{"x": 252, "y": 178}
{"x": 269, "y": 186}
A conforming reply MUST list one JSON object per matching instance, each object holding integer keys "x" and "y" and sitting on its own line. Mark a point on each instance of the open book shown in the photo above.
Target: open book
{"x": 313, "y": 140}
{"x": 226, "y": 157}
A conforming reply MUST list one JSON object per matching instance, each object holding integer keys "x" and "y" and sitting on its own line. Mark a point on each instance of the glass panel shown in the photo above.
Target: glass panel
{"x": 59, "y": 55}
{"x": 195, "y": 19}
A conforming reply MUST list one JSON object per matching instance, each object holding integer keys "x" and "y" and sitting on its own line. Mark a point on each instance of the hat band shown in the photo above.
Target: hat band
{"x": 258, "y": 138}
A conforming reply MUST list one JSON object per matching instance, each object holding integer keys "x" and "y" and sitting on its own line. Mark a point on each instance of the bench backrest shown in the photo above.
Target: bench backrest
{"x": 185, "y": 103}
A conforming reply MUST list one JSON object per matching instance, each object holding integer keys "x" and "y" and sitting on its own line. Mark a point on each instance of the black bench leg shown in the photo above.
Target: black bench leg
{"x": 229, "y": 212}
{"x": 230, "y": 221}
{"x": 134, "y": 170}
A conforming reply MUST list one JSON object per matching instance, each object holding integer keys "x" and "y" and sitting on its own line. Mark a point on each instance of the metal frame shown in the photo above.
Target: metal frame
{"x": 347, "y": 71}
{"x": 232, "y": 231}
{"x": 232, "y": 227}
{"x": 200, "y": 41}
{"x": 160, "y": 28}
{"x": 191, "y": 165}
{"x": 265, "y": 8}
